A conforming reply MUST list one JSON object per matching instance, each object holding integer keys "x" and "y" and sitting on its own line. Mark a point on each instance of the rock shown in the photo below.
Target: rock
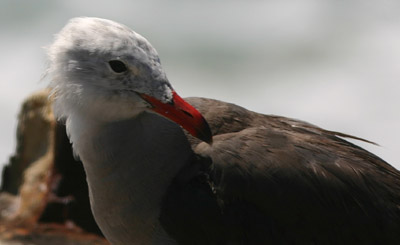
{"x": 8, "y": 206}
{"x": 43, "y": 185}
{"x": 52, "y": 234}
{"x": 30, "y": 168}
{"x": 34, "y": 139}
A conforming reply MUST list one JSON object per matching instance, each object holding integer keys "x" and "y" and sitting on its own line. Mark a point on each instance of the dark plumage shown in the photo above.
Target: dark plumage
{"x": 274, "y": 180}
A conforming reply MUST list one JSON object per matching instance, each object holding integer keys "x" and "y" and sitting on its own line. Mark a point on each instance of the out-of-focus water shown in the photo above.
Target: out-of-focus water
{"x": 333, "y": 63}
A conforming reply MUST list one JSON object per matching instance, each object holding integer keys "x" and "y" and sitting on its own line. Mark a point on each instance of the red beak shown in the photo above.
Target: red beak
{"x": 183, "y": 114}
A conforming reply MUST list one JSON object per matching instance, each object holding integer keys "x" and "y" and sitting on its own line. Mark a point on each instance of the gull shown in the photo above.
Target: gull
{"x": 166, "y": 170}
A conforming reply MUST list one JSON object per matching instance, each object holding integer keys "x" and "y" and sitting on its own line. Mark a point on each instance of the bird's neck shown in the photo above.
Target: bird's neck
{"x": 129, "y": 165}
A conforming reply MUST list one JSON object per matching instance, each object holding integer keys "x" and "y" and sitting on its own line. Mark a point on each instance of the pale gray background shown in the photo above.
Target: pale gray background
{"x": 333, "y": 63}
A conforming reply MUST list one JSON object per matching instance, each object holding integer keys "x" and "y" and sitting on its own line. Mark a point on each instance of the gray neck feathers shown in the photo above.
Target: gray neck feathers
{"x": 129, "y": 166}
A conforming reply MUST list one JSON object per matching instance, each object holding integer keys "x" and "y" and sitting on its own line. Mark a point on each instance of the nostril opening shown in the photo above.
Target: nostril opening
{"x": 187, "y": 113}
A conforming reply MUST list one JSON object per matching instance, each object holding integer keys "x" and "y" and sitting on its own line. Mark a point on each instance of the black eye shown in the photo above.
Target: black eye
{"x": 117, "y": 66}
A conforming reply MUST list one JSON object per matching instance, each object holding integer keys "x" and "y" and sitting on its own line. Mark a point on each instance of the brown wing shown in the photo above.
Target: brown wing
{"x": 281, "y": 181}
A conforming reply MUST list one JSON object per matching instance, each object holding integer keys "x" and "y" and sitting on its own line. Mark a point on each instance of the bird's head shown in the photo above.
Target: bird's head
{"x": 108, "y": 72}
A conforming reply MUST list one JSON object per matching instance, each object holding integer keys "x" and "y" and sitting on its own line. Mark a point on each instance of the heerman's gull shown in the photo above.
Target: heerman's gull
{"x": 257, "y": 179}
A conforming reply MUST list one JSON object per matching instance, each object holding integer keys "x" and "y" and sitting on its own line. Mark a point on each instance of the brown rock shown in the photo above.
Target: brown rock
{"x": 51, "y": 234}
{"x": 34, "y": 139}
{"x": 29, "y": 172}
{"x": 45, "y": 197}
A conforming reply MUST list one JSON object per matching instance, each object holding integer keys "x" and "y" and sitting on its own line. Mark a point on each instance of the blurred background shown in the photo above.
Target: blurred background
{"x": 332, "y": 63}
